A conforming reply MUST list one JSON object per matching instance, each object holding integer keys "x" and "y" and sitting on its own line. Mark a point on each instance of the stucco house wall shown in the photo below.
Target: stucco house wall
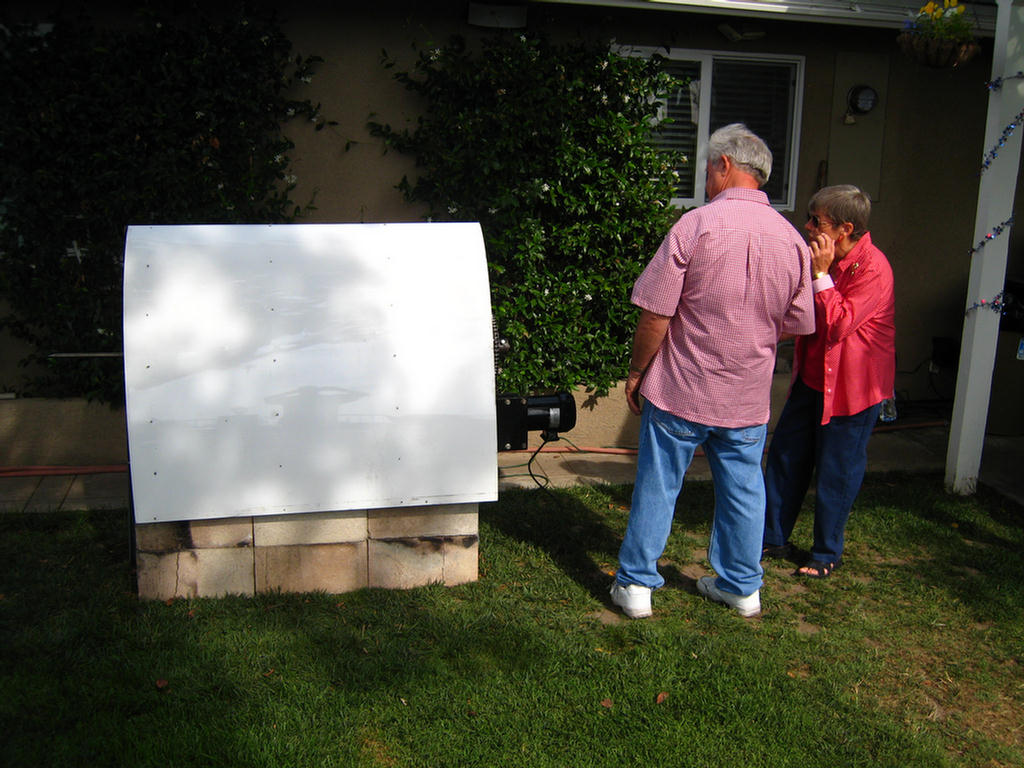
{"x": 932, "y": 134}
{"x": 930, "y": 147}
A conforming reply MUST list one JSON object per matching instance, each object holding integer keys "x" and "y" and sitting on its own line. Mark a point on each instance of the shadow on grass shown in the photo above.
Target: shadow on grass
{"x": 585, "y": 544}
{"x": 498, "y": 671}
{"x": 93, "y": 676}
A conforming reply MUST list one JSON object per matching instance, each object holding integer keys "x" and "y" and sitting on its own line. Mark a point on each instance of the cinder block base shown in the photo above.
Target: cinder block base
{"x": 331, "y": 568}
{"x": 407, "y": 563}
{"x": 332, "y": 552}
{"x": 195, "y": 573}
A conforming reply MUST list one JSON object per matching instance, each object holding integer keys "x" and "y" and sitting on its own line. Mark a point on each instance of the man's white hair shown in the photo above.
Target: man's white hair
{"x": 744, "y": 148}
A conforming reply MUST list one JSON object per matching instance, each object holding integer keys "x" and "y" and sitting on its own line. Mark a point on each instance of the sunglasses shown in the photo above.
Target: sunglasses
{"x": 817, "y": 221}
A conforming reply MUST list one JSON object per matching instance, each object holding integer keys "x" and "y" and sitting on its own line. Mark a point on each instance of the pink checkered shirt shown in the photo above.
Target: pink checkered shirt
{"x": 732, "y": 275}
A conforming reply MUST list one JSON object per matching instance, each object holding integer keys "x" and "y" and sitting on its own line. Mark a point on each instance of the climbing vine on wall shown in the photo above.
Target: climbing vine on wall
{"x": 171, "y": 117}
{"x": 549, "y": 147}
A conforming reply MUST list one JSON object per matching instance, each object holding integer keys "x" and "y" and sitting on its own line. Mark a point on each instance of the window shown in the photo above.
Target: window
{"x": 762, "y": 91}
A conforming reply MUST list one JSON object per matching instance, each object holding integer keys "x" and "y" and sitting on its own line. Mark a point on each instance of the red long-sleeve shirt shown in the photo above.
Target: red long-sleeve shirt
{"x": 851, "y": 356}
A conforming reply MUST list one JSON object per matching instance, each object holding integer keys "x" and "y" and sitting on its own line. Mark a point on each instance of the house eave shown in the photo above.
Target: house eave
{"x": 890, "y": 14}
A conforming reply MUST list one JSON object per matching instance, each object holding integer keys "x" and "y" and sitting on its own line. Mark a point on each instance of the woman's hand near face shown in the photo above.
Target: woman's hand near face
{"x": 823, "y": 253}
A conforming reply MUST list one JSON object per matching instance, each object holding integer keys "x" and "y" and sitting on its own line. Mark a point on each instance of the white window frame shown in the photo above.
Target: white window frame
{"x": 706, "y": 59}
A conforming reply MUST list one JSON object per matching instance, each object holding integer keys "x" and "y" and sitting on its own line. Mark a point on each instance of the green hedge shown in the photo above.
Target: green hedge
{"x": 549, "y": 147}
{"x": 165, "y": 118}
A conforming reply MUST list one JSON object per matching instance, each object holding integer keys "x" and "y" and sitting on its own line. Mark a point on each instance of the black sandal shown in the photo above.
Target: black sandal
{"x": 821, "y": 569}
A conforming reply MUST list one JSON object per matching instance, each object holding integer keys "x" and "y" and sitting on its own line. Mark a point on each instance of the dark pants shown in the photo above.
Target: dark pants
{"x": 800, "y": 444}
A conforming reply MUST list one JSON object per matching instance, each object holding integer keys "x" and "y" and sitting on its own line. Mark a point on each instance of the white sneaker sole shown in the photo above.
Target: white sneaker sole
{"x": 744, "y": 606}
{"x": 632, "y": 613}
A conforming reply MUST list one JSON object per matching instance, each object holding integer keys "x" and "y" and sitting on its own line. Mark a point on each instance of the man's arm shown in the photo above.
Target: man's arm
{"x": 650, "y": 332}
{"x": 799, "y": 318}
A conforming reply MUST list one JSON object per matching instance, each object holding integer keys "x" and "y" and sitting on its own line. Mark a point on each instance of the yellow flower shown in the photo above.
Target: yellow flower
{"x": 928, "y": 9}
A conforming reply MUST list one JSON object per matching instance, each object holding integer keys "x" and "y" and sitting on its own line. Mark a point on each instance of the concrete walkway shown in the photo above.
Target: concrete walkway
{"x": 892, "y": 448}
{"x": 902, "y": 447}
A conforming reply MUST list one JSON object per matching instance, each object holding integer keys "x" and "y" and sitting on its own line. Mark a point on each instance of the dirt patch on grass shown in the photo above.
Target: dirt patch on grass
{"x": 805, "y": 627}
{"x": 921, "y": 685}
{"x": 606, "y": 617}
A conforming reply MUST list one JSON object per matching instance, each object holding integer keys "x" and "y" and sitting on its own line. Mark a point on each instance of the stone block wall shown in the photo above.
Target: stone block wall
{"x": 334, "y": 552}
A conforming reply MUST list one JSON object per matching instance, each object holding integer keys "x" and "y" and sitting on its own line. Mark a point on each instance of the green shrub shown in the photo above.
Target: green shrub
{"x": 168, "y": 119}
{"x": 548, "y": 146}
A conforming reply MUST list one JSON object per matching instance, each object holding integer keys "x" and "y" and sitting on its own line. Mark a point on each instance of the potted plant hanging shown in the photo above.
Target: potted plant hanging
{"x": 939, "y": 35}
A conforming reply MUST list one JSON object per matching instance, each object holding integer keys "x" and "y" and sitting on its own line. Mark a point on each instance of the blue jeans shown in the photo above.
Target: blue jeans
{"x": 667, "y": 445}
{"x": 799, "y": 445}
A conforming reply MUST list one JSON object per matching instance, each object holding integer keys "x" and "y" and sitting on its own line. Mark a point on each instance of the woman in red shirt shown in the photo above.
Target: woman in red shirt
{"x": 842, "y": 373}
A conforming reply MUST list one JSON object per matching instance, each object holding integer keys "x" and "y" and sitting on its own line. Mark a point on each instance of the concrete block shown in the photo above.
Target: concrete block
{"x": 461, "y": 560}
{"x": 313, "y": 528}
{"x": 157, "y": 575}
{"x": 416, "y": 522}
{"x": 223, "y": 532}
{"x": 332, "y": 568}
{"x": 196, "y": 573}
{"x": 405, "y": 563}
{"x": 159, "y": 538}
{"x": 414, "y": 562}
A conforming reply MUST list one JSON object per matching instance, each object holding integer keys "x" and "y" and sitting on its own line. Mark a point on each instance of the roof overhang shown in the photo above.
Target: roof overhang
{"x": 864, "y": 13}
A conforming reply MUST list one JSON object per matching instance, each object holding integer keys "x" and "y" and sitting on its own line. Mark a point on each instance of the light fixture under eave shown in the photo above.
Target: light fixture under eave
{"x": 497, "y": 16}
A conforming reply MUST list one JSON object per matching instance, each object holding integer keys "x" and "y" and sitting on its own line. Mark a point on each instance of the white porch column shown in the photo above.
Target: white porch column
{"x": 988, "y": 266}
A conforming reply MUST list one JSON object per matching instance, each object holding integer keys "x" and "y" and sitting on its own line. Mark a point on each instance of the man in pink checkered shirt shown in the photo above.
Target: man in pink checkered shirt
{"x": 728, "y": 280}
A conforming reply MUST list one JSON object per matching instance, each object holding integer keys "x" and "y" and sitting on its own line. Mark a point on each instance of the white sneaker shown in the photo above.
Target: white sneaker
{"x": 747, "y": 606}
{"x": 634, "y": 600}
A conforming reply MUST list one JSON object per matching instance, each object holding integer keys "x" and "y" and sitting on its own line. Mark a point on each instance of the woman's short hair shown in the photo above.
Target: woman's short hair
{"x": 843, "y": 203}
{"x": 744, "y": 148}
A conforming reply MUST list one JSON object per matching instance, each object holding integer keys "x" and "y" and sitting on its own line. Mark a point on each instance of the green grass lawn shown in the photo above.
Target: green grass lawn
{"x": 911, "y": 655}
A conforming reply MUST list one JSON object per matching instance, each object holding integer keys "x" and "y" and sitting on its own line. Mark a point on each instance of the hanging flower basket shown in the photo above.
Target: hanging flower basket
{"x": 936, "y": 52}
{"x": 939, "y": 35}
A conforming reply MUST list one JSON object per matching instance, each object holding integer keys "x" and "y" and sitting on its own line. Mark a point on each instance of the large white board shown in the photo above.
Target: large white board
{"x": 307, "y": 368}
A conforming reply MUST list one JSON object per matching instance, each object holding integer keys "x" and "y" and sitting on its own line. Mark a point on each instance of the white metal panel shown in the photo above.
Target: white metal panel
{"x": 305, "y": 368}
